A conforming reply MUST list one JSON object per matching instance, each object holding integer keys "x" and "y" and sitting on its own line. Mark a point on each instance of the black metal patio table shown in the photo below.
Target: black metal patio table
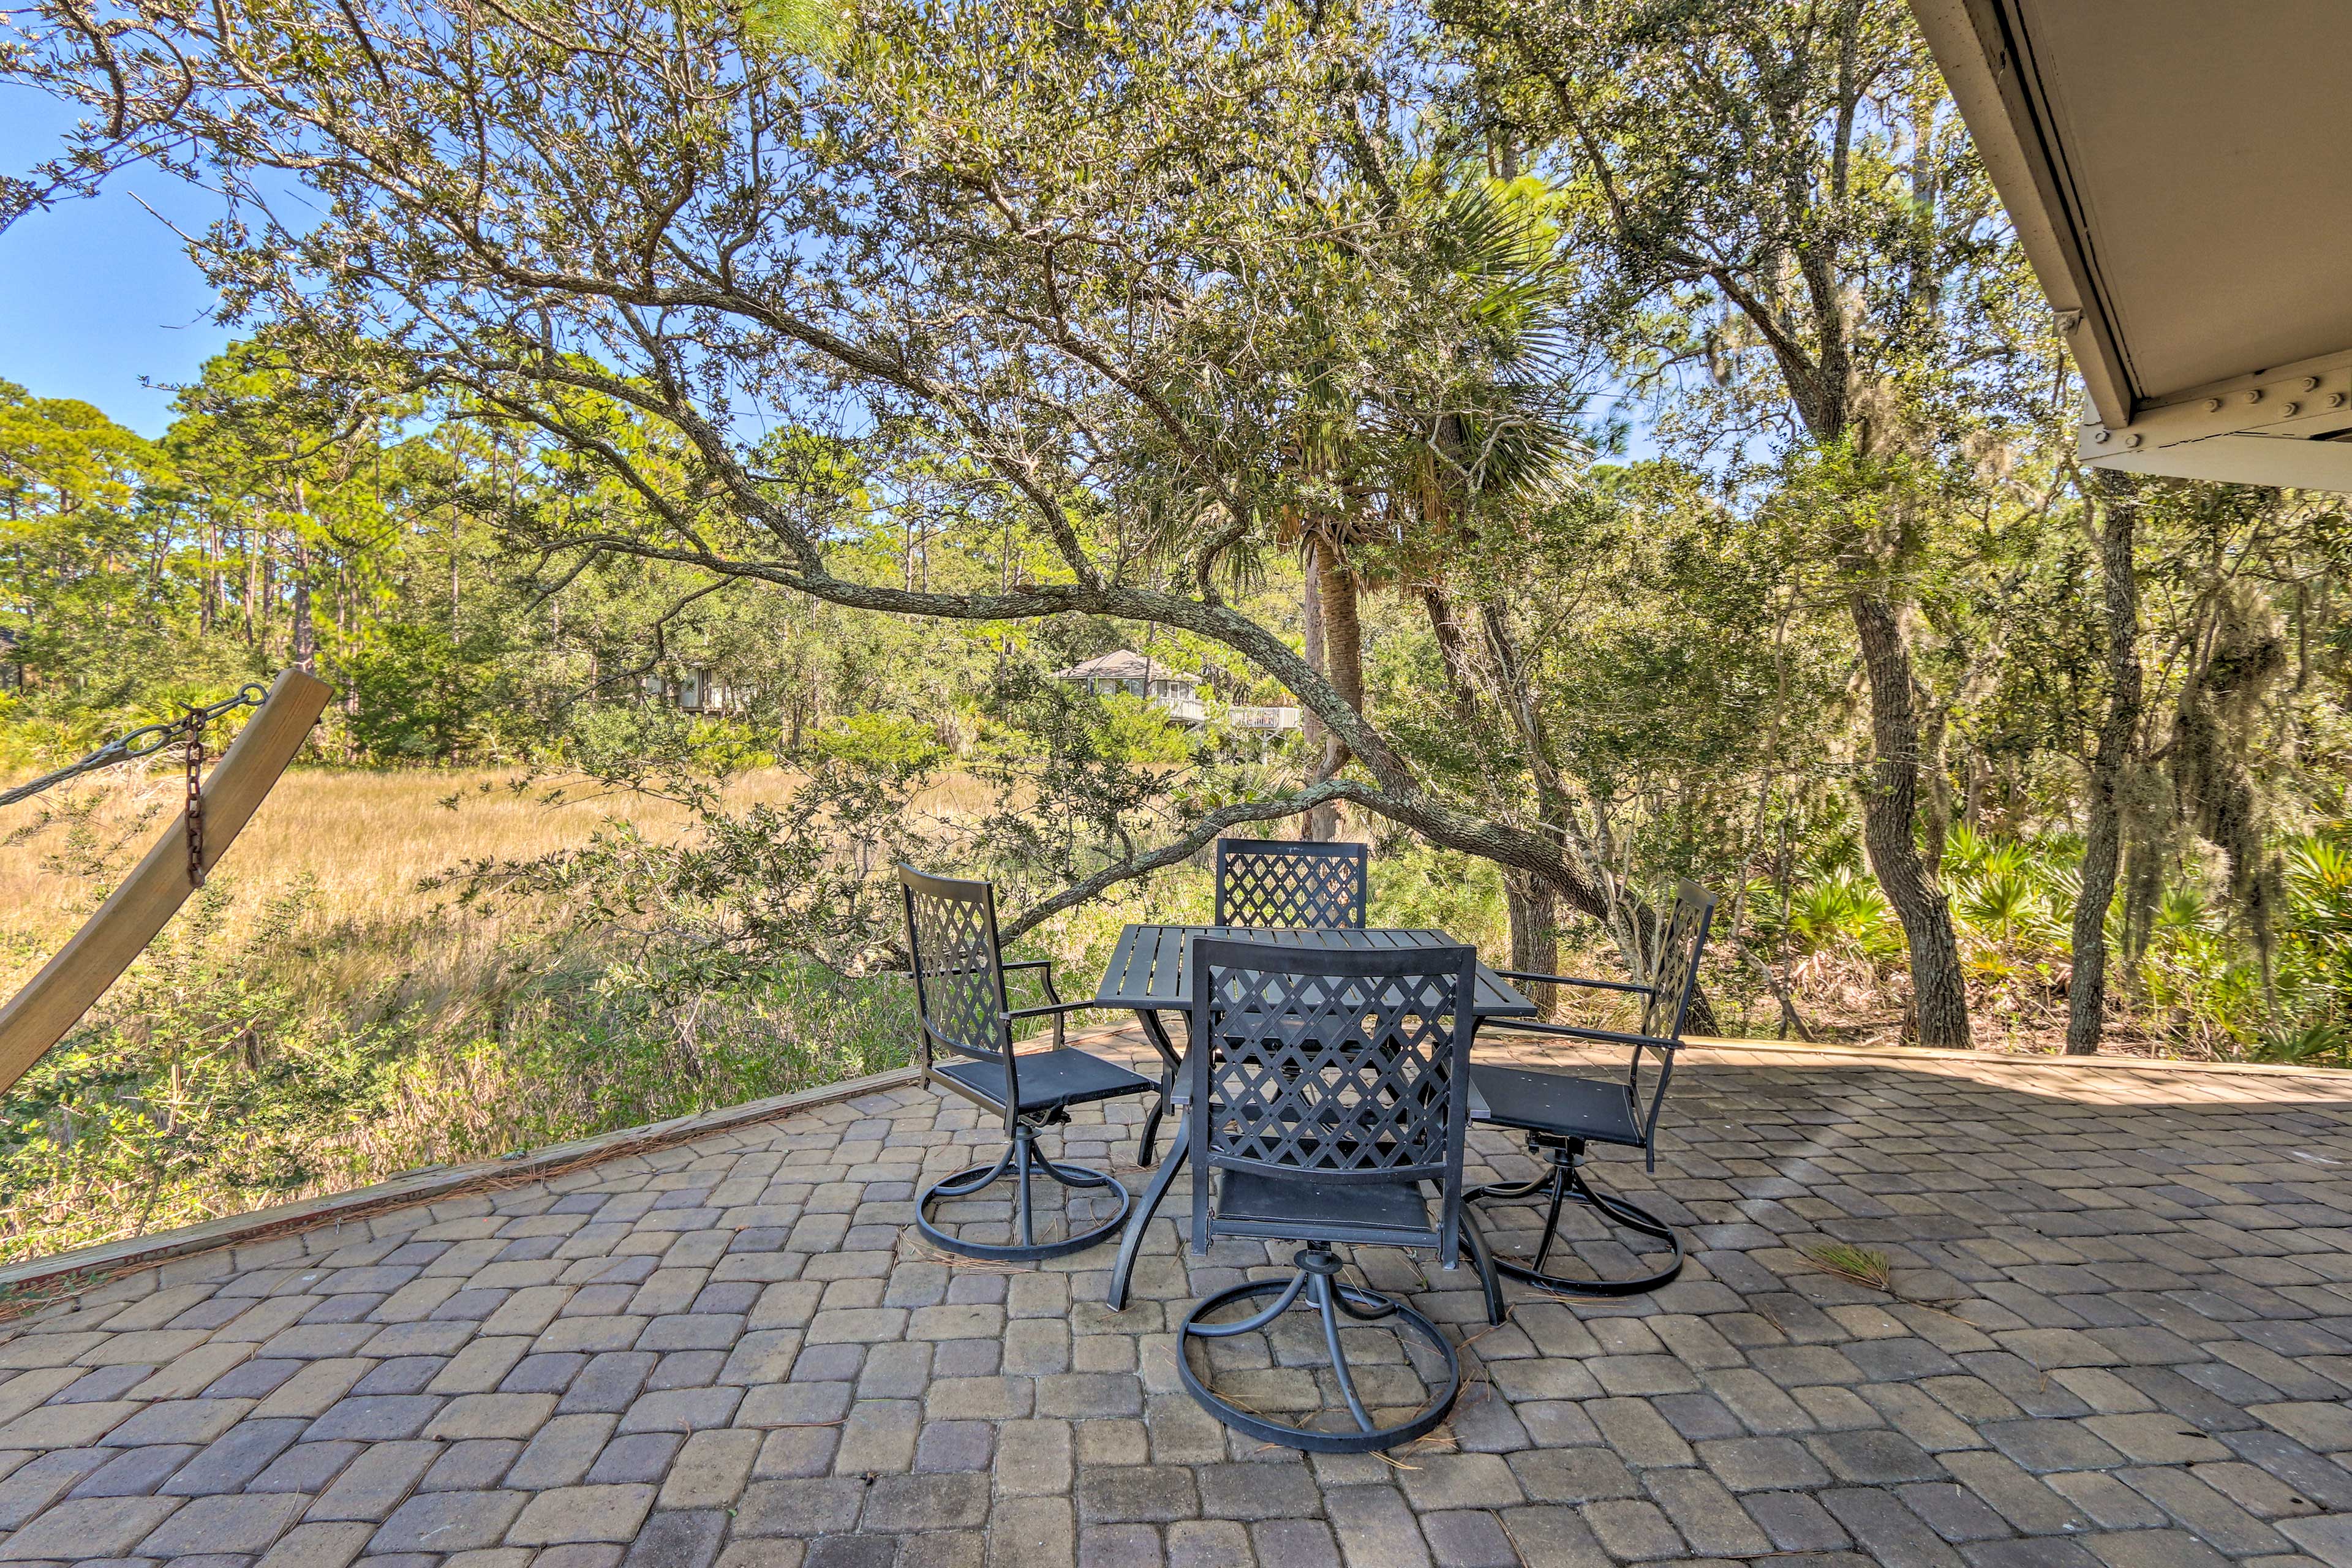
{"x": 1148, "y": 973}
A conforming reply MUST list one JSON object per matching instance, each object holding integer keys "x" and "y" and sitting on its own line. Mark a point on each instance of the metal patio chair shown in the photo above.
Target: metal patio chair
{"x": 959, "y": 998}
{"x": 1290, "y": 883}
{"x": 1274, "y": 884}
{"x": 1561, "y": 1114}
{"x": 1330, "y": 1106}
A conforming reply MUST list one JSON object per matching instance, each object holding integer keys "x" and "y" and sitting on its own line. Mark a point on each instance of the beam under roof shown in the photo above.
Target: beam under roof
{"x": 2180, "y": 175}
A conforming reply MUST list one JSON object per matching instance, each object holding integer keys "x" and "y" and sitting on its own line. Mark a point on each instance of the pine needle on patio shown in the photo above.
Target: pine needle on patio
{"x": 967, "y": 1264}
{"x": 1862, "y": 1265}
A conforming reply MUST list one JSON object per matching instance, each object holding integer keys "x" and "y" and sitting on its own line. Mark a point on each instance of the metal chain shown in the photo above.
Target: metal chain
{"x": 196, "y": 815}
{"x": 141, "y": 742}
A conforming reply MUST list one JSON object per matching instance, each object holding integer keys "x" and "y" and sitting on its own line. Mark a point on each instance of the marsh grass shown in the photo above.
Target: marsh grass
{"x": 319, "y": 1016}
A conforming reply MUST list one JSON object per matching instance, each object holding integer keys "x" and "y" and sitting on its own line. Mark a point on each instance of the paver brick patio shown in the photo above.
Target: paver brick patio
{"x": 2120, "y": 1337}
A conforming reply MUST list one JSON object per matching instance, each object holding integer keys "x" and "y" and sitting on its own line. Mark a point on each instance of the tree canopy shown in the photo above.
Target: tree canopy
{"x": 1300, "y": 337}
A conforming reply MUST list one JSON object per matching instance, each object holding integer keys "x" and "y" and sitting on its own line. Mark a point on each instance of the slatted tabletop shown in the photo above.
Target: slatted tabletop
{"x": 1149, "y": 967}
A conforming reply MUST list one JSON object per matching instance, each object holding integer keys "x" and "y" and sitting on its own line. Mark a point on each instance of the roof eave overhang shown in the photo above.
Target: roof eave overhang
{"x": 2257, "y": 428}
{"x": 1988, "y": 72}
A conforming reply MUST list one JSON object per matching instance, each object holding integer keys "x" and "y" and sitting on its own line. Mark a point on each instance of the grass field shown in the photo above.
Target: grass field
{"x": 366, "y": 841}
{"x": 321, "y": 1016}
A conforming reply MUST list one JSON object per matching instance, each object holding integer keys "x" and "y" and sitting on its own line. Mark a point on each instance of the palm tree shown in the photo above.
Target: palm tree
{"x": 1483, "y": 426}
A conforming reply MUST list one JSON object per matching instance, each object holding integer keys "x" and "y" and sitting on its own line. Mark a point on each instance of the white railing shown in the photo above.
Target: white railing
{"x": 1185, "y": 709}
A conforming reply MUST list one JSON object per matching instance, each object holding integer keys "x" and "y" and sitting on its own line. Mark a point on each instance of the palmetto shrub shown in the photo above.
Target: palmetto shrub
{"x": 1845, "y": 914}
{"x": 2314, "y": 968}
{"x": 2197, "y": 989}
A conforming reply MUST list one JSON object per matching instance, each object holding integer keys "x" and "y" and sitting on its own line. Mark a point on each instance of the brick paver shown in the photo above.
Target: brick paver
{"x": 2121, "y": 1335}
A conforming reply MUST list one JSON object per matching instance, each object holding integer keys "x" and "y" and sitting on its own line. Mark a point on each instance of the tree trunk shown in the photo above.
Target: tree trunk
{"x": 1321, "y": 823}
{"x": 208, "y": 591}
{"x": 2086, "y": 993}
{"x": 1343, "y": 632}
{"x": 1334, "y": 647}
{"x": 304, "y": 639}
{"x": 1535, "y": 933}
{"x": 1452, "y": 651}
{"x": 1939, "y": 1002}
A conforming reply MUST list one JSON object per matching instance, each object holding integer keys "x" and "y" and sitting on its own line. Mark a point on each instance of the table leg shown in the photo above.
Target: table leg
{"x": 1170, "y": 1065}
{"x": 1131, "y": 1244}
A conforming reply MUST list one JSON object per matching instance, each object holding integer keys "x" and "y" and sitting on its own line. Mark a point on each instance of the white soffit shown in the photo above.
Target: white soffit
{"x": 2180, "y": 175}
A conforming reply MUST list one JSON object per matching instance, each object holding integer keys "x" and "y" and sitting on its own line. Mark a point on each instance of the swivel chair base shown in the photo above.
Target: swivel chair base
{"x": 1315, "y": 1281}
{"x": 1021, "y": 1160}
{"x": 1565, "y": 1181}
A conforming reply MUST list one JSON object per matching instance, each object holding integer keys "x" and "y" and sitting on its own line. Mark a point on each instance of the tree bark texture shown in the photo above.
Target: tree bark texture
{"x": 1337, "y": 634}
{"x": 2087, "y": 992}
{"x": 1935, "y": 821}
{"x": 1322, "y": 824}
{"x": 1939, "y": 1004}
{"x": 1535, "y": 933}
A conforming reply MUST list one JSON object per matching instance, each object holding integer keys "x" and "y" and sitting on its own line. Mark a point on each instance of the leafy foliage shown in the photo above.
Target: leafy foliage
{"x": 217, "y": 1077}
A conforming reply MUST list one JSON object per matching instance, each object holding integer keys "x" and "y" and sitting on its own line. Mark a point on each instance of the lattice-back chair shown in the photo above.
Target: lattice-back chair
{"x": 967, "y": 1048}
{"x": 1330, "y": 1098}
{"x": 1562, "y": 1114}
{"x": 1275, "y": 884}
{"x": 1286, "y": 883}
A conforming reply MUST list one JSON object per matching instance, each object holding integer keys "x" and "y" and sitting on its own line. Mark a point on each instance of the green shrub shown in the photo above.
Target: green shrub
{"x": 1844, "y": 913}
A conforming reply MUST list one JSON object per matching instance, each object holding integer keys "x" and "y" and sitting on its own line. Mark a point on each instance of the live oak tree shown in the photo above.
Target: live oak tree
{"x": 1117, "y": 269}
{"x": 1786, "y": 199}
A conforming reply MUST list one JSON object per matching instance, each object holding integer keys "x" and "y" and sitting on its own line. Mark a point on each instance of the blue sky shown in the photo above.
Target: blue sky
{"x": 99, "y": 301}
{"x": 97, "y": 295}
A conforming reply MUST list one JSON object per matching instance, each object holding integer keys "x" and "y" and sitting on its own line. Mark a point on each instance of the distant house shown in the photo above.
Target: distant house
{"x": 1170, "y": 691}
{"x": 699, "y": 690}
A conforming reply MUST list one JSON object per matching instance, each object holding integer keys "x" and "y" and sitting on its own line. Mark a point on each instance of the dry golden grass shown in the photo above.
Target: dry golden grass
{"x": 424, "y": 1026}
{"x": 365, "y": 841}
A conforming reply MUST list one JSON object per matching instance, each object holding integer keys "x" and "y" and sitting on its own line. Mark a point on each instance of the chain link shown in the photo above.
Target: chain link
{"x": 145, "y": 741}
{"x": 195, "y": 817}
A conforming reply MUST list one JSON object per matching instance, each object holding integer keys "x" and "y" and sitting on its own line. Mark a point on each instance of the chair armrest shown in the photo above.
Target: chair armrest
{"x": 1572, "y": 1032}
{"x": 1045, "y": 967}
{"x": 1573, "y": 980}
{"x": 1050, "y": 1008}
{"x": 1054, "y": 1010}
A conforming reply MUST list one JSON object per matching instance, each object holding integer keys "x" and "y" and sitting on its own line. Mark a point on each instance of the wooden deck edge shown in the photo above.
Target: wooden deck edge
{"x": 109, "y": 1258}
